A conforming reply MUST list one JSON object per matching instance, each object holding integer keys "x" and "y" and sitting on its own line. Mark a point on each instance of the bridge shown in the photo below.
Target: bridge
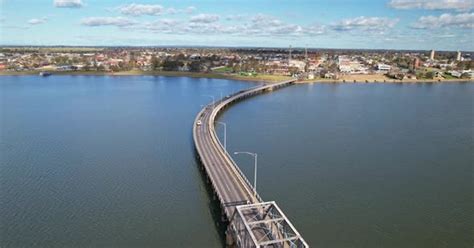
{"x": 251, "y": 222}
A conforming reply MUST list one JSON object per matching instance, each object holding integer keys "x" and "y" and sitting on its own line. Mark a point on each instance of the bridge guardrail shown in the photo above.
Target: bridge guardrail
{"x": 218, "y": 108}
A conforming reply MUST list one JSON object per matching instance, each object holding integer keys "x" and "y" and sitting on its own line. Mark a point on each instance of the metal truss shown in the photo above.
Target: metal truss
{"x": 263, "y": 225}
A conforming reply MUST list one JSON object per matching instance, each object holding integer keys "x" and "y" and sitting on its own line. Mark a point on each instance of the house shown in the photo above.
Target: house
{"x": 456, "y": 74}
{"x": 383, "y": 67}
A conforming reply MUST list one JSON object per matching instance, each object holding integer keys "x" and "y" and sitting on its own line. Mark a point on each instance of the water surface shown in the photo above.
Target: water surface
{"x": 364, "y": 165}
{"x": 108, "y": 161}
{"x": 103, "y": 162}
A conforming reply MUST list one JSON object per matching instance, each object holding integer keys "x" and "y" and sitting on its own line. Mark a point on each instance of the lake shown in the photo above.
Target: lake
{"x": 100, "y": 161}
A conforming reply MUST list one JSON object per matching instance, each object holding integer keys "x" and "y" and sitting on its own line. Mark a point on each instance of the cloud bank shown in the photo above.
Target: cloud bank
{"x": 108, "y": 21}
{"x": 459, "y": 5}
{"x": 68, "y": 3}
{"x": 465, "y": 20}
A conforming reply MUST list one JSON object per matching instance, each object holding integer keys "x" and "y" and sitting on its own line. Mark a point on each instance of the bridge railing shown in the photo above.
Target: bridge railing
{"x": 231, "y": 160}
{"x": 236, "y": 167}
{"x": 217, "y": 109}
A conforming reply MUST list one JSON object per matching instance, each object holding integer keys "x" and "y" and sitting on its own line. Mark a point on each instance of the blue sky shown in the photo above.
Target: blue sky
{"x": 372, "y": 24}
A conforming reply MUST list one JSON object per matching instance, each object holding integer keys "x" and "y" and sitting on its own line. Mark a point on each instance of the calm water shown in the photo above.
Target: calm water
{"x": 103, "y": 162}
{"x": 358, "y": 165}
{"x": 108, "y": 161}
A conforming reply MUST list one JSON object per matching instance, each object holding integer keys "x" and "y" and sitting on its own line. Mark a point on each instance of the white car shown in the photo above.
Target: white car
{"x": 199, "y": 123}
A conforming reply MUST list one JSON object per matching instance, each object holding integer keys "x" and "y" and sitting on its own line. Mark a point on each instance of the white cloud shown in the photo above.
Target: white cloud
{"x": 169, "y": 22}
{"x": 36, "y": 21}
{"x": 135, "y": 9}
{"x": 141, "y": 9}
{"x": 108, "y": 21}
{"x": 190, "y": 9}
{"x": 259, "y": 25}
{"x": 269, "y": 25}
{"x": 465, "y": 20}
{"x": 68, "y": 3}
{"x": 238, "y": 17}
{"x": 187, "y": 10}
{"x": 459, "y": 5}
{"x": 365, "y": 23}
{"x": 172, "y": 11}
{"x": 204, "y": 18}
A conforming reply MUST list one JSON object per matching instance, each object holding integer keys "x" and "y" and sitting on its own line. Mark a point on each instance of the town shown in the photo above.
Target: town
{"x": 308, "y": 64}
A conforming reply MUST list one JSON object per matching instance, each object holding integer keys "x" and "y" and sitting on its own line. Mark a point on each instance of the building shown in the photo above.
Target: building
{"x": 415, "y": 63}
{"x": 456, "y": 74}
{"x": 432, "y": 54}
{"x": 469, "y": 73}
{"x": 383, "y": 67}
{"x": 298, "y": 64}
{"x": 458, "y": 56}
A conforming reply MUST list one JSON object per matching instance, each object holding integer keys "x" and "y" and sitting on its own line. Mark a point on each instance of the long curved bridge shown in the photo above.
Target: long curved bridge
{"x": 251, "y": 222}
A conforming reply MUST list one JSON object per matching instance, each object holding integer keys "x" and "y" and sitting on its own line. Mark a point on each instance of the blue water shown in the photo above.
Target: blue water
{"x": 364, "y": 165}
{"x": 103, "y": 162}
{"x": 108, "y": 161}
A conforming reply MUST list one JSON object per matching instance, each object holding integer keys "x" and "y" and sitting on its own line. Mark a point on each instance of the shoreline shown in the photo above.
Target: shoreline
{"x": 386, "y": 81}
{"x": 259, "y": 78}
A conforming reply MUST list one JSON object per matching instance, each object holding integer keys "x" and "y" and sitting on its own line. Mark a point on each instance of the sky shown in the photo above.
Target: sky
{"x": 357, "y": 24}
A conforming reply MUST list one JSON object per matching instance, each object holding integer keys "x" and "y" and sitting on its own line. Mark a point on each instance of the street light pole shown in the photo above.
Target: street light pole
{"x": 225, "y": 133}
{"x": 254, "y": 155}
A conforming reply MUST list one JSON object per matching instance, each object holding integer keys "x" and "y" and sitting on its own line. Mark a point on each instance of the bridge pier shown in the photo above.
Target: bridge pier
{"x": 229, "y": 238}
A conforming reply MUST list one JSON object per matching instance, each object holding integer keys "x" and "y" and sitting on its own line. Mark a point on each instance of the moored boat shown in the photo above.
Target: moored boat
{"x": 45, "y": 73}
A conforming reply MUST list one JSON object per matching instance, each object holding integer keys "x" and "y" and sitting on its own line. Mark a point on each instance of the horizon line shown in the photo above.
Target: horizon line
{"x": 235, "y": 47}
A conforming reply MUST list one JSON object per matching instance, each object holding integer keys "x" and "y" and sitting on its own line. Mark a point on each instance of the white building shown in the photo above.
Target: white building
{"x": 455, "y": 74}
{"x": 298, "y": 64}
{"x": 458, "y": 56}
{"x": 469, "y": 72}
{"x": 383, "y": 67}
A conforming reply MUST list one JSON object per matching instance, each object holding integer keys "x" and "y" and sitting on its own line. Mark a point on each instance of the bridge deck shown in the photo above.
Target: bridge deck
{"x": 230, "y": 185}
{"x": 254, "y": 228}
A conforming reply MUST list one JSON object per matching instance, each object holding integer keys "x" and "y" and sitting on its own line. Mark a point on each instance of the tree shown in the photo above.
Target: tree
{"x": 430, "y": 75}
{"x": 293, "y": 70}
{"x": 195, "y": 66}
{"x": 115, "y": 68}
{"x": 180, "y": 56}
{"x": 172, "y": 65}
{"x": 155, "y": 63}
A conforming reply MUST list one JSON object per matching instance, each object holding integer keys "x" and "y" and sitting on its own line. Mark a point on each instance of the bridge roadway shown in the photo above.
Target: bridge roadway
{"x": 229, "y": 183}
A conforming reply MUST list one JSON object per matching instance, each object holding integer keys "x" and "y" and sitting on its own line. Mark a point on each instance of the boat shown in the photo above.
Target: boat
{"x": 45, "y": 73}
